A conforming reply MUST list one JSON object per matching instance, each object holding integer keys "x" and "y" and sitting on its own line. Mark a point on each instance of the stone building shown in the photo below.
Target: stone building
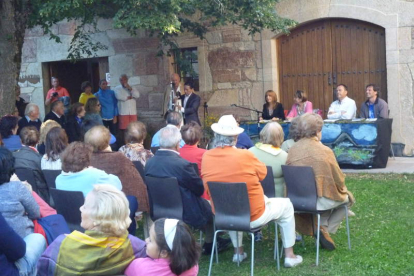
{"x": 336, "y": 41}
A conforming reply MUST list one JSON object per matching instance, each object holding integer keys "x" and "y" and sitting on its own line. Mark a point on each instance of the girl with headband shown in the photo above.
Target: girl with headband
{"x": 171, "y": 250}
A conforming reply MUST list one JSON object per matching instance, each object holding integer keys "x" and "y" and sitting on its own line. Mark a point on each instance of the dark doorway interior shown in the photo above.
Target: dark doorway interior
{"x": 71, "y": 75}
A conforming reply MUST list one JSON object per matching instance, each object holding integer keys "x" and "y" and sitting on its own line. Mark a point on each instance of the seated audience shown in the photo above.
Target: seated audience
{"x": 93, "y": 109}
{"x": 225, "y": 163}
{"x": 343, "y": 107}
{"x": 191, "y": 134}
{"x": 330, "y": 181}
{"x": 173, "y": 119}
{"x": 117, "y": 164}
{"x": 8, "y": 131}
{"x": 105, "y": 248}
{"x": 374, "y": 106}
{"x": 31, "y": 118}
{"x": 86, "y": 87}
{"x": 18, "y": 206}
{"x": 57, "y": 113}
{"x": 19, "y": 256}
{"x": 243, "y": 141}
{"x": 272, "y": 110}
{"x": 44, "y": 130}
{"x": 293, "y": 135}
{"x": 56, "y": 142}
{"x": 168, "y": 163}
{"x": 29, "y": 158}
{"x": 74, "y": 122}
{"x": 301, "y": 105}
{"x": 77, "y": 175}
{"x": 269, "y": 152}
{"x": 171, "y": 250}
{"x": 134, "y": 138}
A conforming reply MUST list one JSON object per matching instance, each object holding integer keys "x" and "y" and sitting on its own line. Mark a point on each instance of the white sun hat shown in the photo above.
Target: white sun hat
{"x": 227, "y": 126}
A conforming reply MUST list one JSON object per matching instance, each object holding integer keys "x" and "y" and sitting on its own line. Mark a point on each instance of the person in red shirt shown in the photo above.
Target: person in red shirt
{"x": 55, "y": 92}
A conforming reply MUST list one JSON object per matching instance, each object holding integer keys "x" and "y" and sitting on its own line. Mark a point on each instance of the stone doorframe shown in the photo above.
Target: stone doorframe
{"x": 394, "y": 37}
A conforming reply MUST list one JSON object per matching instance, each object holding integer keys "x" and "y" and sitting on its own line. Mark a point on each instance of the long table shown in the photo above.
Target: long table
{"x": 356, "y": 144}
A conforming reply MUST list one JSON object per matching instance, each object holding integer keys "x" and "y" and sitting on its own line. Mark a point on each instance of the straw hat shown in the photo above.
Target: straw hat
{"x": 227, "y": 126}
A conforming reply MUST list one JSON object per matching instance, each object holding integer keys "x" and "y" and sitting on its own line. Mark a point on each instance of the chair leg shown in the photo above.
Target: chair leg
{"x": 317, "y": 240}
{"x": 237, "y": 246}
{"x": 212, "y": 252}
{"x": 276, "y": 254}
{"x": 347, "y": 227}
{"x": 252, "y": 265}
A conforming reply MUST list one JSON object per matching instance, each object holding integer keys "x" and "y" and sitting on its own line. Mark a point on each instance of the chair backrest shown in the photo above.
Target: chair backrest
{"x": 231, "y": 205}
{"x": 27, "y": 175}
{"x": 196, "y": 168}
{"x": 50, "y": 176}
{"x": 140, "y": 169}
{"x": 301, "y": 187}
{"x": 268, "y": 183}
{"x": 154, "y": 149}
{"x": 67, "y": 203}
{"x": 165, "y": 198}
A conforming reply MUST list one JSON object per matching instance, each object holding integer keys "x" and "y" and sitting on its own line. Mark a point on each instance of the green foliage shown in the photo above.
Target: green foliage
{"x": 164, "y": 19}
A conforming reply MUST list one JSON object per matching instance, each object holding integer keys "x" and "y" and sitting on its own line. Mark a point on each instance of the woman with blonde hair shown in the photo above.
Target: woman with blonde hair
{"x": 272, "y": 110}
{"x": 44, "y": 130}
{"x": 105, "y": 248}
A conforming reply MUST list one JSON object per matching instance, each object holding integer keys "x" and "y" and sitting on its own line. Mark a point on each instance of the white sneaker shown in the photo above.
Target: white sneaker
{"x": 291, "y": 262}
{"x": 241, "y": 257}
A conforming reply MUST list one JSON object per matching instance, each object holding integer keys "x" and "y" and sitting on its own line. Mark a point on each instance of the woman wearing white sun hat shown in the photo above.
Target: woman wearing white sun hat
{"x": 226, "y": 163}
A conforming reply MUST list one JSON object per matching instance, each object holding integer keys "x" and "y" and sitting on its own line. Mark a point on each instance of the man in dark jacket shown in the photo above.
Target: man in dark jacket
{"x": 190, "y": 102}
{"x": 373, "y": 107}
{"x": 57, "y": 113}
{"x": 31, "y": 118}
{"x": 168, "y": 163}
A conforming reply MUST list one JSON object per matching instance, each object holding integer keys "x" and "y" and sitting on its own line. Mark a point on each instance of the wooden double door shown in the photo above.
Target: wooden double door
{"x": 320, "y": 55}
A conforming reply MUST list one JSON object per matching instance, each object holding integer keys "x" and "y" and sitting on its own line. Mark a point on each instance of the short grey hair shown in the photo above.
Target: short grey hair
{"x": 170, "y": 137}
{"x": 272, "y": 134}
{"x": 123, "y": 75}
{"x": 223, "y": 141}
{"x": 30, "y": 108}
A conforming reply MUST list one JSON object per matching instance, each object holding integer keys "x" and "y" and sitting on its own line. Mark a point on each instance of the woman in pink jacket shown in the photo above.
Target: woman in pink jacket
{"x": 301, "y": 105}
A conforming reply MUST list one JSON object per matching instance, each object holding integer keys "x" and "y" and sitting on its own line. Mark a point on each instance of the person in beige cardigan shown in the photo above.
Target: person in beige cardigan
{"x": 330, "y": 181}
{"x": 117, "y": 164}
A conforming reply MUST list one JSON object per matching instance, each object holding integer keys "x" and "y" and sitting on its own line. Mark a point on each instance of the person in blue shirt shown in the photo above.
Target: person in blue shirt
{"x": 109, "y": 106}
{"x": 243, "y": 140}
{"x": 173, "y": 119}
{"x": 8, "y": 131}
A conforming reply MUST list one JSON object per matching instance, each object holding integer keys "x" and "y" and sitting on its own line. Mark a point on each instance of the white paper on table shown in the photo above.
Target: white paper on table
{"x": 357, "y": 119}
{"x": 330, "y": 120}
{"x": 371, "y": 120}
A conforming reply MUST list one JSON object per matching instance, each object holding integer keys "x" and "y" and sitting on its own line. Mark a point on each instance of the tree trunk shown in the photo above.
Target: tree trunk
{"x": 12, "y": 30}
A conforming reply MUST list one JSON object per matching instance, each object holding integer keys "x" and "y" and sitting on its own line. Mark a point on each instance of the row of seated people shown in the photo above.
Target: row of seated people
{"x": 215, "y": 164}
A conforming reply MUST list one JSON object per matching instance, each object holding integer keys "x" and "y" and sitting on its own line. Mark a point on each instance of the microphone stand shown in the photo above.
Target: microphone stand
{"x": 251, "y": 109}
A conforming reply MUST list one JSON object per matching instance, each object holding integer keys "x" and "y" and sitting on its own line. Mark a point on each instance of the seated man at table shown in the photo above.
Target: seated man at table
{"x": 225, "y": 163}
{"x": 167, "y": 162}
{"x": 373, "y": 107}
{"x": 343, "y": 107}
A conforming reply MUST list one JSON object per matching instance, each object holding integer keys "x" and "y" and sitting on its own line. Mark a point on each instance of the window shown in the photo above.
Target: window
{"x": 186, "y": 63}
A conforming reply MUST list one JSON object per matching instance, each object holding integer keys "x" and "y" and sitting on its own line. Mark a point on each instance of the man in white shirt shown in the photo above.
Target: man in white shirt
{"x": 127, "y": 106}
{"x": 343, "y": 107}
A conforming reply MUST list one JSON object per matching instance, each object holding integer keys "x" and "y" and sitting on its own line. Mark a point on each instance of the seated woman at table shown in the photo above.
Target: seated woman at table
{"x": 330, "y": 181}
{"x": 105, "y": 248}
{"x": 269, "y": 152}
{"x": 272, "y": 110}
{"x": 301, "y": 105}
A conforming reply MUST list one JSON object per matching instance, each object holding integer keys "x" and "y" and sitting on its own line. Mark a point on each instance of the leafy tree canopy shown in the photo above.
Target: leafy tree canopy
{"x": 162, "y": 18}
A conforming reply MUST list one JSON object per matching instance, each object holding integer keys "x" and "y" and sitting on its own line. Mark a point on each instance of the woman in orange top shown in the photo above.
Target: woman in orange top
{"x": 225, "y": 163}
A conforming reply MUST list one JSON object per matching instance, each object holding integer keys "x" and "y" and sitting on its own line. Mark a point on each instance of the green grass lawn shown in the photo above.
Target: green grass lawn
{"x": 382, "y": 236}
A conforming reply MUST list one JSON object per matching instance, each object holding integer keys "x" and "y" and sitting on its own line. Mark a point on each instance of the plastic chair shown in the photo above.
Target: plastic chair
{"x": 67, "y": 203}
{"x": 165, "y": 198}
{"x": 225, "y": 196}
{"x": 301, "y": 189}
{"x": 268, "y": 183}
{"x": 27, "y": 175}
{"x": 140, "y": 169}
{"x": 50, "y": 177}
{"x": 154, "y": 149}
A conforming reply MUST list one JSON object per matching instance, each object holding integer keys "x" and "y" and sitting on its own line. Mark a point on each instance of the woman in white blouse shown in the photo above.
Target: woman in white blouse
{"x": 56, "y": 142}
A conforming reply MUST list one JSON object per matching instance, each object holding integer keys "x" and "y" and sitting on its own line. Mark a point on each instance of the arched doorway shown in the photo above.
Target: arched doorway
{"x": 318, "y": 56}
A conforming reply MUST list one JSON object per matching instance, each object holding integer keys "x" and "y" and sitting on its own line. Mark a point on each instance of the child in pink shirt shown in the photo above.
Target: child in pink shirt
{"x": 171, "y": 250}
